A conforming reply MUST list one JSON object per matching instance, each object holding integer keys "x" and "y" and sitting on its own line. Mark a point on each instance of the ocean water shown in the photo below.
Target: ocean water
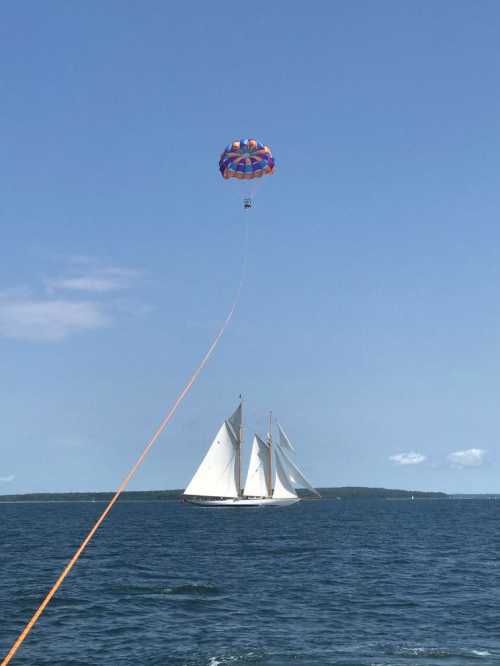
{"x": 368, "y": 583}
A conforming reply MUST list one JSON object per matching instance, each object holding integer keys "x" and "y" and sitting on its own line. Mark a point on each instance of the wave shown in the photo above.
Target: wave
{"x": 442, "y": 652}
{"x": 193, "y": 588}
{"x": 159, "y": 589}
{"x": 246, "y": 658}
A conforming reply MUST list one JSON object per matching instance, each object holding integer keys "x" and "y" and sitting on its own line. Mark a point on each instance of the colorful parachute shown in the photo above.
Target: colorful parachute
{"x": 246, "y": 159}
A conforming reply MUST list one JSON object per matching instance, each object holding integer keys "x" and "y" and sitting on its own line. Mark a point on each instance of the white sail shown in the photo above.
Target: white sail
{"x": 283, "y": 485}
{"x": 234, "y": 422}
{"x": 285, "y": 443}
{"x": 217, "y": 474}
{"x": 258, "y": 470}
{"x": 294, "y": 474}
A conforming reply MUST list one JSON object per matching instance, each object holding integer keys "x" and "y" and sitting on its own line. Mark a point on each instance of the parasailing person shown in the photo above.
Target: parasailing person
{"x": 246, "y": 159}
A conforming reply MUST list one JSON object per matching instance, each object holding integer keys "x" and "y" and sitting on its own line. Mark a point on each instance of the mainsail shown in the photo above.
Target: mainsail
{"x": 235, "y": 422}
{"x": 217, "y": 475}
{"x": 258, "y": 469}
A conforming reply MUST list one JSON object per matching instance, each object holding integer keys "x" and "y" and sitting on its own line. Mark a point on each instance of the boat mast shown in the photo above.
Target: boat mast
{"x": 270, "y": 447}
{"x": 238, "y": 451}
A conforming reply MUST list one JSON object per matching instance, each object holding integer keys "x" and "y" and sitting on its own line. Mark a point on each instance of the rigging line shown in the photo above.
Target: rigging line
{"x": 16, "y": 645}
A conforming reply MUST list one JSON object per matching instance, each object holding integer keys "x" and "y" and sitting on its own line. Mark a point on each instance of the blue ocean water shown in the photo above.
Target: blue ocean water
{"x": 351, "y": 582}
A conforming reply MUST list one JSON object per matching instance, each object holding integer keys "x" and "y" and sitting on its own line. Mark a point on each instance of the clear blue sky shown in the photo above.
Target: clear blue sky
{"x": 370, "y": 319}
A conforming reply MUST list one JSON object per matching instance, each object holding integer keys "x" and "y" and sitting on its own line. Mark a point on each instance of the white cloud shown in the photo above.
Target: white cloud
{"x": 94, "y": 279}
{"x": 60, "y": 312}
{"x": 7, "y": 479}
{"x": 467, "y": 458}
{"x": 410, "y": 458}
{"x": 47, "y": 320}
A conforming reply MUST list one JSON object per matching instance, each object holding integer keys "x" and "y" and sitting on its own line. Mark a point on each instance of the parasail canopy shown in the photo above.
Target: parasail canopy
{"x": 246, "y": 159}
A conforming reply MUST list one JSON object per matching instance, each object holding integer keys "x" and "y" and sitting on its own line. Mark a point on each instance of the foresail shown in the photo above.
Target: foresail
{"x": 294, "y": 473}
{"x": 283, "y": 486}
{"x": 216, "y": 476}
{"x": 258, "y": 470}
{"x": 285, "y": 443}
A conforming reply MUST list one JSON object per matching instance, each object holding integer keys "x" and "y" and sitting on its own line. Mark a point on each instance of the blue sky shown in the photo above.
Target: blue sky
{"x": 369, "y": 321}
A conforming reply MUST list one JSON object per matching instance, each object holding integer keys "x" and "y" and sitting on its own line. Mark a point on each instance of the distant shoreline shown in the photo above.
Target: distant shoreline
{"x": 344, "y": 492}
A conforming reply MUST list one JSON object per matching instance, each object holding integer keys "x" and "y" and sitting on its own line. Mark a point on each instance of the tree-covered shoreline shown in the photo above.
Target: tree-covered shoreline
{"x": 344, "y": 492}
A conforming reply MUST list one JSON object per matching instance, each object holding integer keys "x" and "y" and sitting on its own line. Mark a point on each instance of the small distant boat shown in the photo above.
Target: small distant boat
{"x": 217, "y": 481}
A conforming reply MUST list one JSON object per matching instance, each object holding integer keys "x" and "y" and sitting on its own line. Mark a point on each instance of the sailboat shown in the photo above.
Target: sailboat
{"x": 217, "y": 481}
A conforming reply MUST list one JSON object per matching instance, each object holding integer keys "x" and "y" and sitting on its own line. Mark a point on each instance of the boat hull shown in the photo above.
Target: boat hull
{"x": 241, "y": 503}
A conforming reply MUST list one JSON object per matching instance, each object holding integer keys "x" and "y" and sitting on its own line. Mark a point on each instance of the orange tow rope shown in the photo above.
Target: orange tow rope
{"x": 125, "y": 482}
